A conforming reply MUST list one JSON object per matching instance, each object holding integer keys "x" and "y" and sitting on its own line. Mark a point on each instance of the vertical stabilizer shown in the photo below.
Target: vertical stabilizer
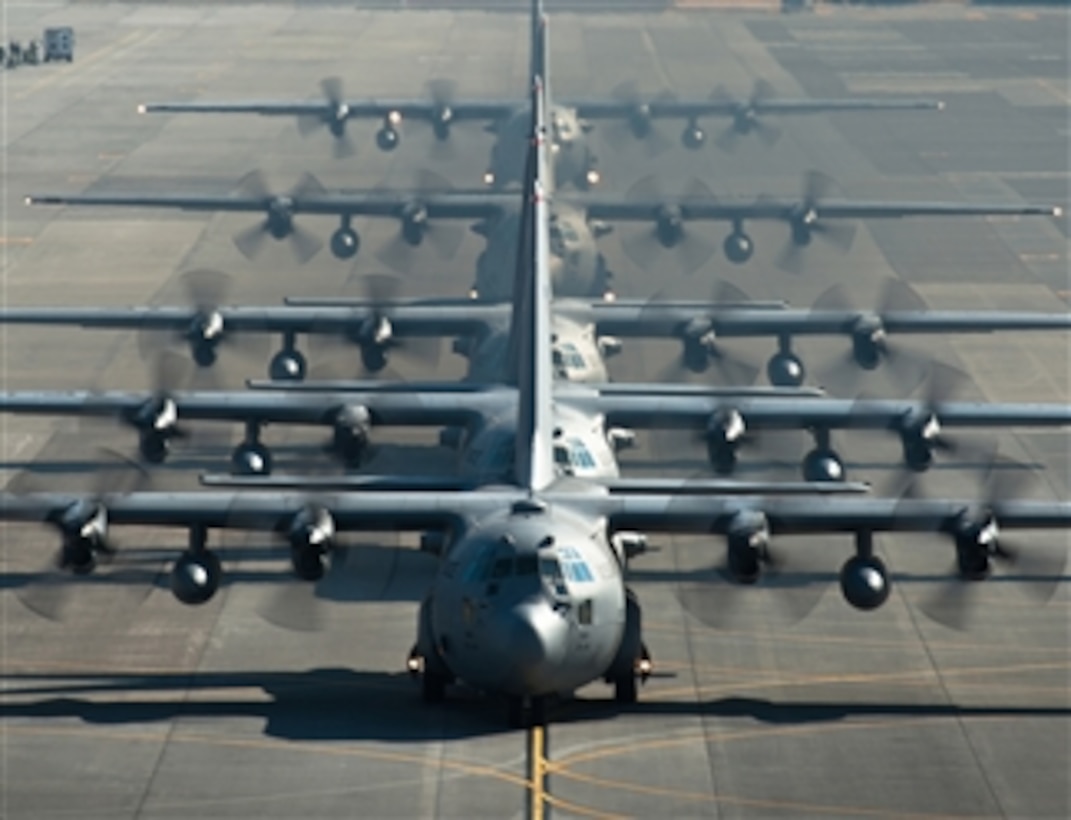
{"x": 540, "y": 45}
{"x": 531, "y": 332}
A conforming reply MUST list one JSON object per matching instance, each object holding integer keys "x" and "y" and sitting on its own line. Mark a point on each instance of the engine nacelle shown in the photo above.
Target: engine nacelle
{"x": 868, "y": 342}
{"x": 280, "y": 217}
{"x": 864, "y": 582}
{"x": 669, "y": 226}
{"x": 747, "y": 541}
{"x": 801, "y": 228}
{"x": 78, "y": 554}
{"x": 414, "y": 223}
{"x": 345, "y": 243}
{"x": 158, "y": 415}
{"x": 639, "y": 121}
{"x": 738, "y": 247}
{"x": 352, "y": 434}
{"x": 917, "y": 436}
{"x": 976, "y": 541}
{"x": 196, "y": 576}
{"x": 313, "y": 528}
{"x": 85, "y": 532}
{"x": 153, "y": 446}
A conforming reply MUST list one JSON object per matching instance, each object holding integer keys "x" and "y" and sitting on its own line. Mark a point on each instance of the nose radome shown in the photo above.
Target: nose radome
{"x": 536, "y": 639}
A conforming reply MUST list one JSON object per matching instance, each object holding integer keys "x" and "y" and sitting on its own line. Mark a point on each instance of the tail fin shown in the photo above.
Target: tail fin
{"x": 531, "y": 331}
{"x": 540, "y": 44}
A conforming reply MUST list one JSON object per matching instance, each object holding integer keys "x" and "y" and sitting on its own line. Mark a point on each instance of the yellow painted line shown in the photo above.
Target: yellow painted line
{"x": 536, "y": 795}
{"x": 16, "y": 240}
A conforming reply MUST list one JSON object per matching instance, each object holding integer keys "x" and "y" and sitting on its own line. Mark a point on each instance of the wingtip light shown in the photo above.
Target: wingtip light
{"x": 1057, "y": 211}
{"x": 941, "y": 105}
{"x": 142, "y": 108}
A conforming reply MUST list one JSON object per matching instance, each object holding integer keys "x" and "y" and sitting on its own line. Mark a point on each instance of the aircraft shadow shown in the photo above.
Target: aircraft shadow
{"x": 340, "y": 704}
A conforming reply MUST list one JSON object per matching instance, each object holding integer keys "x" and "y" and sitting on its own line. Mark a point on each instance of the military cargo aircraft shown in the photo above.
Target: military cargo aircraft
{"x": 530, "y": 597}
{"x": 585, "y": 333}
{"x": 628, "y": 113}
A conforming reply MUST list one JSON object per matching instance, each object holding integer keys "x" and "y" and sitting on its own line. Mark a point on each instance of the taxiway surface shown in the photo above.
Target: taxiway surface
{"x": 134, "y": 706}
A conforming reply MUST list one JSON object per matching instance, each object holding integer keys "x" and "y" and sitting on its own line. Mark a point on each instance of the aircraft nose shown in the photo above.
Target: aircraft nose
{"x": 535, "y": 640}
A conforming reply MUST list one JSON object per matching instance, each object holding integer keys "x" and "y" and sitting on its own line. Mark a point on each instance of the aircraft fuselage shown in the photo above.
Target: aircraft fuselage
{"x": 577, "y": 268}
{"x": 530, "y": 603}
{"x": 572, "y": 159}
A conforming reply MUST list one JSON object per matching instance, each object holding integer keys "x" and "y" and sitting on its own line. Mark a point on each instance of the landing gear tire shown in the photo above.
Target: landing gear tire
{"x": 625, "y": 689}
{"x": 524, "y": 713}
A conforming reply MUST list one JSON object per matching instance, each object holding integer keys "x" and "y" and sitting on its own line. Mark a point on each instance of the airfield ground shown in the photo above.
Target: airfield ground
{"x": 134, "y": 706}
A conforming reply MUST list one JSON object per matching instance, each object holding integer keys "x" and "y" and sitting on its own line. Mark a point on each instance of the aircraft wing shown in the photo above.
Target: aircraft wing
{"x": 801, "y": 515}
{"x": 406, "y": 108}
{"x": 698, "y": 412}
{"x": 669, "y": 108}
{"x": 161, "y": 411}
{"x": 616, "y": 485}
{"x": 418, "y": 510}
{"x": 788, "y": 210}
{"x": 408, "y": 318}
{"x": 313, "y": 200}
{"x": 657, "y": 319}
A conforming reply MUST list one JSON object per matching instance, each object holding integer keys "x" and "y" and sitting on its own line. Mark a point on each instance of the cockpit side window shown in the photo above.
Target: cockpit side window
{"x": 527, "y": 565}
{"x": 480, "y": 567}
{"x": 551, "y": 571}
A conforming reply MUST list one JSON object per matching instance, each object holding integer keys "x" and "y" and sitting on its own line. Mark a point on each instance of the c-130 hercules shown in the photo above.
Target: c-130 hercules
{"x": 570, "y": 121}
{"x": 530, "y": 597}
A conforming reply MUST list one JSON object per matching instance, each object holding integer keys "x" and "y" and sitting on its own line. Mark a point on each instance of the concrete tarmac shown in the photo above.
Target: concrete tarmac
{"x": 130, "y": 705}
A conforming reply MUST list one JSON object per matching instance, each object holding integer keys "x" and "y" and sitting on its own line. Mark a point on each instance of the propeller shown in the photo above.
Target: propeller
{"x": 637, "y": 124}
{"x": 279, "y": 217}
{"x": 805, "y": 221}
{"x": 333, "y": 117}
{"x": 745, "y": 116}
{"x": 718, "y": 596}
{"x": 415, "y": 228}
{"x": 87, "y": 543}
{"x": 700, "y": 348}
{"x": 205, "y": 290}
{"x": 670, "y": 230}
{"x": 373, "y": 336}
{"x": 871, "y": 347}
{"x": 922, "y": 437}
{"x": 954, "y": 602}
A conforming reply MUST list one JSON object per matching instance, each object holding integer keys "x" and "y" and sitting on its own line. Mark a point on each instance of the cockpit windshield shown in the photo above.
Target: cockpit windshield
{"x": 574, "y": 567}
{"x": 568, "y": 356}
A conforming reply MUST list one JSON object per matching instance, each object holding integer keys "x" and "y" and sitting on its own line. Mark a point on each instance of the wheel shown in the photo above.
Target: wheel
{"x": 625, "y": 688}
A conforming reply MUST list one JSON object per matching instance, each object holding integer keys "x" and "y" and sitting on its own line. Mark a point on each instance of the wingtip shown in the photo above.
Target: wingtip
{"x": 941, "y": 104}
{"x": 1057, "y": 211}
{"x": 142, "y": 108}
